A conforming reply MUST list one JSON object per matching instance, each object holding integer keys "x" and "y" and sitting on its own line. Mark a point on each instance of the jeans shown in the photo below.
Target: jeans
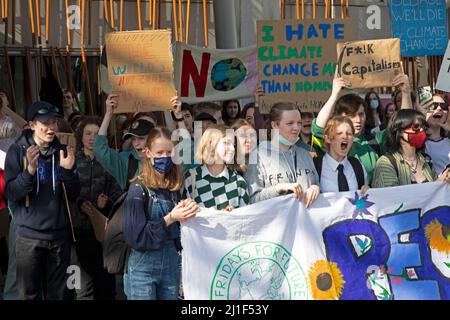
{"x": 153, "y": 274}
{"x": 42, "y": 268}
{"x": 96, "y": 282}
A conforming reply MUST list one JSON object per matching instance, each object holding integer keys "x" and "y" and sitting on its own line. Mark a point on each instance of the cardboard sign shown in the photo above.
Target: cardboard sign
{"x": 369, "y": 63}
{"x": 443, "y": 80}
{"x": 140, "y": 69}
{"x": 296, "y": 60}
{"x": 67, "y": 139}
{"x": 203, "y": 74}
{"x": 420, "y": 25}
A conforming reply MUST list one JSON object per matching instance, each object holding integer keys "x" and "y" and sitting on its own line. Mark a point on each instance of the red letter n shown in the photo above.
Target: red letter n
{"x": 190, "y": 70}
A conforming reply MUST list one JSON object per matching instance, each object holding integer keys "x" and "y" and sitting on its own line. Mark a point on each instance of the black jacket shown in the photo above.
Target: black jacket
{"x": 94, "y": 180}
{"x": 46, "y": 218}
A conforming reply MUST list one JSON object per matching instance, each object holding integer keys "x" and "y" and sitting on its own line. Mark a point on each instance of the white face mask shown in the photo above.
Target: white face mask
{"x": 285, "y": 141}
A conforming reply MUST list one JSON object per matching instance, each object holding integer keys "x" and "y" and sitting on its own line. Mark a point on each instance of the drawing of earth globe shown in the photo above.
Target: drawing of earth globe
{"x": 228, "y": 74}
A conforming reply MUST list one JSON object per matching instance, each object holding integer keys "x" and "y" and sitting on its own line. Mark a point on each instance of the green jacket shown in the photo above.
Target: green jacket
{"x": 386, "y": 176}
{"x": 361, "y": 148}
{"x": 114, "y": 162}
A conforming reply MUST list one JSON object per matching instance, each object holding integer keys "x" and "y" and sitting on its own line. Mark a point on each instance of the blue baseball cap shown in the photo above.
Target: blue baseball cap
{"x": 42, "y": 111}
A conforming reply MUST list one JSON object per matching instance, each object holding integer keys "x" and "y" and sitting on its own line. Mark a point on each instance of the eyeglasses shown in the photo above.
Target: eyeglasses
{"x": 435, "y": 105}
{"x": 416, "y": 127}
{"x": 45, "y": 110}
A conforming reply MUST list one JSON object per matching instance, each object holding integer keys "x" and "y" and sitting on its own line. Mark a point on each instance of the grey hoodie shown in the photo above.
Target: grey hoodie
{"x": 269, "y": 166}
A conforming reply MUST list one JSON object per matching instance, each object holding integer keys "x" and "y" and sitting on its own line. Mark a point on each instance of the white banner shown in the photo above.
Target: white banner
{"x": 443, "y": 80}
{"x": 391, "y": 244}
{"x": 202, "y": 74}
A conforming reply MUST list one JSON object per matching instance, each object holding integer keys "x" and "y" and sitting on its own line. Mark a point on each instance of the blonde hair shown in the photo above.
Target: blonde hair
{"x": 206, "y": 150}
{"x": 173, "y": 180}
{"x": 333, "y": 124}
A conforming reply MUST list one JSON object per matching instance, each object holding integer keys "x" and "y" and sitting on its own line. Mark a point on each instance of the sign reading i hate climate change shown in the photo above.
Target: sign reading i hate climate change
{"x": 297, "y": 60}
{"x": 421, "y": 26}
{"x": 369, "y": 63}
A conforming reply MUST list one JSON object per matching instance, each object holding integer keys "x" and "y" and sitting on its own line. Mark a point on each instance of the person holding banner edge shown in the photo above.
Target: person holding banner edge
{"x": 281, "y": 166}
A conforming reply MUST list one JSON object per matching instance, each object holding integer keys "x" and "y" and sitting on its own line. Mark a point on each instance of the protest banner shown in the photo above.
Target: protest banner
{"x": 140, "y": 69}
{"x": 296, "y": 60}
{"x": 443, "y": 80}
{"x": 420, "y": 25}
{"x": 390, "y": 244}
{"x": 369, "y": 63}
{"x": 203, "y": 74}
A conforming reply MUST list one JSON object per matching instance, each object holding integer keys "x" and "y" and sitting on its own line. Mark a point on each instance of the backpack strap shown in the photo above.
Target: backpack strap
{"x": 393, "y": 162}
{"x": 318, "y": 162}
{"x": 358, "y": 169}
{"x": 133, "y": 165}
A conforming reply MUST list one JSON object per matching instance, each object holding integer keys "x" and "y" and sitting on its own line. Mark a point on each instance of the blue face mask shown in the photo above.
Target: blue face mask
{"x": 285, "y": 141}
{"x": 374, "y": 104}
{"x": 163, "y": 164}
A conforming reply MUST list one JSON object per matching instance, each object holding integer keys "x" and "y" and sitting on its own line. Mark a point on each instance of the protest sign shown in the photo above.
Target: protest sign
{"x": 420, "y": 25}
{"x": 140, "y": 69}
{"x": 296, "y": 60}
{"x": 67, "y": 139}
{"x": 443, "y": 80}
{"x": 369, "y": 63}
{"x": 203, "y": 74}
{"x": 390, "y": 244}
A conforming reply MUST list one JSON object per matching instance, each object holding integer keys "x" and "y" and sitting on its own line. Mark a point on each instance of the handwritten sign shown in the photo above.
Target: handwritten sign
{"x": 296, "y": 60}
{"x": 369, "y": 63}
{"x": 443, "y": 80}
{"x": 67, "y": 138}
{"x": 140, "y": 69}
{"x": 420, "y": 25}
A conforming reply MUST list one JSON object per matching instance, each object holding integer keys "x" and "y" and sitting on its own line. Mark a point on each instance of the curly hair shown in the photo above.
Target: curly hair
{"x": 80, "y": 129}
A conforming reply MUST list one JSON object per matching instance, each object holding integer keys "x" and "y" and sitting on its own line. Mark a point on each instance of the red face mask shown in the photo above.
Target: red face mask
{"x": 417, "y": 139}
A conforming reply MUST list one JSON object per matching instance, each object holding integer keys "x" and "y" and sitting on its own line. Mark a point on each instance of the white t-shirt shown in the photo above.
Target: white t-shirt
{"x": 439, "y": 151}
{"x": 329, "y": 175}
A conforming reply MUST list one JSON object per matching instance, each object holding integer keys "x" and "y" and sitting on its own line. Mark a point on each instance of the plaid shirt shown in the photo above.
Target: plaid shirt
{"x": 228, "y": 188}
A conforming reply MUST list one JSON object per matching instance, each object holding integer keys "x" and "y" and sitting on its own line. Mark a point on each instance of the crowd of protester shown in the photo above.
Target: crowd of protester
{"x": 220, "y": 157}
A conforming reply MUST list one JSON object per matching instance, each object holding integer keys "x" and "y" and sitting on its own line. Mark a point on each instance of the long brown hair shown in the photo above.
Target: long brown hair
{"x": 173, "y": 180}
{"x": 239, "y": 167}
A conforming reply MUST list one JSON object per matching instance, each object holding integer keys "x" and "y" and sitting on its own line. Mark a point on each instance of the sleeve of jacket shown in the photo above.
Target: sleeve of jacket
{"x": 111, "y": 160}
{"x": 113, "y": 192}
{"x": 385, "y": 175}
{"x": 18, "y": 182}
{"x": 140, "y": 233}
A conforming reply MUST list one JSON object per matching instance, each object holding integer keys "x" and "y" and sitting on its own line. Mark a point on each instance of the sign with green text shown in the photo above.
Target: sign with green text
{"x": 370, "y": 63}
{"x": 297, "y": 60}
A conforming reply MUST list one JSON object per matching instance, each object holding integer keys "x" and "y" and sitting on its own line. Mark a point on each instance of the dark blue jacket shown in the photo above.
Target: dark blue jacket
{"x": 46, "y": 218}
{"x": 140, "y": 230}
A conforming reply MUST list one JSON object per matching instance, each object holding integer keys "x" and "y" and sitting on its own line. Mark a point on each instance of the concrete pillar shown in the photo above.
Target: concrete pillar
{"x": 225, "y": 24}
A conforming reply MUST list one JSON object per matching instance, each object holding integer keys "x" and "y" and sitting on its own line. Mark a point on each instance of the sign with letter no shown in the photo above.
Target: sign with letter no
{"x": 420, "y": 25}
